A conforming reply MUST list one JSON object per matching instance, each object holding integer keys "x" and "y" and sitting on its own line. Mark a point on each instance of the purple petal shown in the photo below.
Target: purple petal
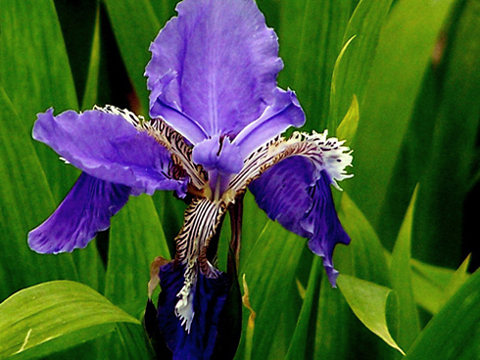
{"x": 213, "y": 70}
{"x": 299, "y": 197}
{"x": 108, "y": 147}
{"x": 209, "y": 299}
{"x": 84, "y": 212}
{"x": 278, "y": 117}
{"x": 214, "y": 154}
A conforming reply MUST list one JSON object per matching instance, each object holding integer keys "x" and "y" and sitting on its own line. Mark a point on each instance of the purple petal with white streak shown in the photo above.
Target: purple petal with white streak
{"x": 277, "y": 117}
{"x": 84, "y": 212}
{"x": 108, "y": 147}
{"x": 213, "y": 70}
{"x": 298, "y": 196}
{"x": 209, "y": 299}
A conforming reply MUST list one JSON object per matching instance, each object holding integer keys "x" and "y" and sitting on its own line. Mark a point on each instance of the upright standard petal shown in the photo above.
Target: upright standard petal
{"x": 209, "y": 297}
{"x": 213, "y": 70}
{"x": 296, "y": 192}
{"x": 84, "y": 212}
{"x": 108, "y": 147}
{"x": 277, "y": 117}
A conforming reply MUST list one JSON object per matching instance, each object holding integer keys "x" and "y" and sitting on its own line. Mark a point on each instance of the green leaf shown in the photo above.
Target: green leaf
{"x": 348, "y": 127}
{"x": 454, "y": 333}
{"x": 333, "y": 92}
{"x": 140, "y": 16}
{"x": 433, "y": 286}
{"x": 365, "y": 256}
{"x": 402, "y": 56}
{"x": 26, "y": 201}
{"x": 311, "y": 34}
{"x": 91, "y": 87}
{"x": 458, "y": 279}
{"x": 170, "y": 211}
{"x": 408, "y": 321}
{"x": 35, "y": 73}
{"x": 250, "y": 326}
{"x": 128, "y": 342}
{"x": 136, "y": 238}
{"x": 447, "y": 174}
{"x": 300, "y": 344}
{"x": 254, "y": 222}
{"x": 50, "y": 311}
{"x": 353, "y": 66}
{"x": 270, "y": 271}
{"x": 368, "y": 301}
{"x": 430, "y": 285}
{"x": 333, "y": 335}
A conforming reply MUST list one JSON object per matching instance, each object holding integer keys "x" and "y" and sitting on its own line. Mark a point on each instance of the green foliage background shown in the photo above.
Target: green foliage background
{"x": 411, "y": 209}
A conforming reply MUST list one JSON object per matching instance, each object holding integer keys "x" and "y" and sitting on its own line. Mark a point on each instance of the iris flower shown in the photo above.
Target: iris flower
{"x": 217, "y": 117}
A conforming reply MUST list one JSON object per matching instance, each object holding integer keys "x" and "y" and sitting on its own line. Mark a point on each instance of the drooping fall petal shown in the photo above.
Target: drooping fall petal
{"x": 296, "y": 192}
{"x": 84, "y": 212}
{"x": 108, "y": 147}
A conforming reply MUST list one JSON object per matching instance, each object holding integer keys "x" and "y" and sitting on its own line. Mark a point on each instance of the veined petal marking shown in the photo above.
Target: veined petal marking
{"x": 176, "y": 145}
{"x": 167, "y": 137}
{"x": 325, "y": 153}
{"x": 202, "y": 219}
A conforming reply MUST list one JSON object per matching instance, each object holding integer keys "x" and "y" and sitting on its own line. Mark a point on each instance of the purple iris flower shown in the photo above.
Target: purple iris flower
{"x": 217, "y": 119}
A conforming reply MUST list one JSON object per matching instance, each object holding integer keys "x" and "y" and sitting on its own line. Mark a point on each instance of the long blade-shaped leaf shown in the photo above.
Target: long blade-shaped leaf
{"x": 35, "y": 73}
{"x": 351, "y": 72}
{"x": 26, "y": 200}
{"x": 91, "y": 87}
{"x": 50, "y": 311}
{"x": 139, "y": 15}
{"x": 270, "y": 271}
{"x": 311, "y": 34}
{"x": 447, "y": 175}
{"x": 369, "y": 302}
{"x": 454, "y": 333}
{"x": 408, "y": 322}
{"x": 136, "y": 238}
{"x": 301, "y": 347}
{"x": 403, "y": 53}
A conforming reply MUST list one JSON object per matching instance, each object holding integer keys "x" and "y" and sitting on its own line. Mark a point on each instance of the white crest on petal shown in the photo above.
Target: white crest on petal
{"x": 335, "y": 156}
{"x": 135, "y": 120}
{"x": 167, "y": 137}
{"x": 327, "y": 154}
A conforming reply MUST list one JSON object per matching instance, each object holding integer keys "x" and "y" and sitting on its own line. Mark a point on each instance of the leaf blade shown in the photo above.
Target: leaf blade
{"x": 51, "y": 310}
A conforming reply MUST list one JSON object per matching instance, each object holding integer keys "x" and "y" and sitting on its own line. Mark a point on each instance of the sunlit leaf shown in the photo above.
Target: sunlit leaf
{"x": 50, "y": 311}
{"x": 348, "y": 127}
{"x": 429, "y": 285}
{"x": 366, "y": 255}
{"x": 369, "y": 303}
{"x": 458, "y": 279}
